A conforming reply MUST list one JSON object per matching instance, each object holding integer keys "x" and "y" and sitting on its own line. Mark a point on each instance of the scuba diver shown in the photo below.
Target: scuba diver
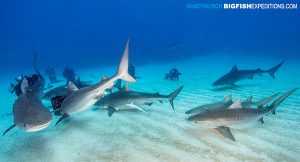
{"x": 131, "y": 70}
{"x": 69, "y": 74}
{"x": 173, "y": 74}
{"x": 58, "y": 94}
{"x": 19, "y": 85}
{"x": 51, "y": 75}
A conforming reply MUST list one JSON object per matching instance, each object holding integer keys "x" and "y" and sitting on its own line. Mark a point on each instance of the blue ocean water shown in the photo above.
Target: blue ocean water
{"x": 99, "y": 29}
{"x": 89, "y": 36}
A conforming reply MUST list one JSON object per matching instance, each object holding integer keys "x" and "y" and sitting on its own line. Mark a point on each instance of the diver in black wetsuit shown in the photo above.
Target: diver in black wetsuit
{"x": 51, "y": 75}
{"x": 131, "y": 70}
{"x": 173, "y": 74}
{"x": 69, "y": 74}
{"x": 17, "y": 86}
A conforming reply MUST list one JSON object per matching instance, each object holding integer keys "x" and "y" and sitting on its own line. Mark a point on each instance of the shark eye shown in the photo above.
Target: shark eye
{"x": 25, "y": 125}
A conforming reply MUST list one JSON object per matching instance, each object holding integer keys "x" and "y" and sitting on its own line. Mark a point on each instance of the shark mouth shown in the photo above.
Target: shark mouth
{"x": 32, "y": 128}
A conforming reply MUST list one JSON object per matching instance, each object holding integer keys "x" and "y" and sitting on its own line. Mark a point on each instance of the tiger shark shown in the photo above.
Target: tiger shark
{"x": 82, "y": 99}
{"x": 126, "y": 99}
{"x": 29, "y": 113}
{"x": 236, "y": 75}
{"x": 227, "y": 101}
{"x": 235, "y": 116}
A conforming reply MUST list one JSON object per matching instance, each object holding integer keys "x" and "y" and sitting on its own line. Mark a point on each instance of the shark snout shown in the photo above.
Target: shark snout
{"x": 194, "y": 118}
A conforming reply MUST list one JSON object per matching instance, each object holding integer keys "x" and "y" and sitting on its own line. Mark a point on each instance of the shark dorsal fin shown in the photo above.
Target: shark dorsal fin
{"x": 236, "y": 105}
{"x": 234, "y": 68}
{"x": 72, "y": 87}
{"x": 227, "y": 98}
{"x": 126, "y": 87}
{"x": 249, "y": 99}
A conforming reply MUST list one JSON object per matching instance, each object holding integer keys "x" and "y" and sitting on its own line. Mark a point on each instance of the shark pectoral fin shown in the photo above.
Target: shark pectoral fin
{"x": 65, "y": 116}
{"x": 8, "y": 129}
{"x": 225, "y": 131}
{"x": 172, "y": 96}
{"x": 273, "y": 112}
{"x": 261, "y": 120}
{"x": 135, "y": 107}
{"x": 110, "y": 110}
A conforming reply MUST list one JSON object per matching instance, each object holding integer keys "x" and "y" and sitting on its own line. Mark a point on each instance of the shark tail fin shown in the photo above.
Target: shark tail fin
{"x": 278, "y": 101}
{"x": 122, "y": 71}
{"x": 264, "y": 101}
{"x": 173, "y": 95}
{"x": 273, "y": 70}
{"x": 35, "y": 64}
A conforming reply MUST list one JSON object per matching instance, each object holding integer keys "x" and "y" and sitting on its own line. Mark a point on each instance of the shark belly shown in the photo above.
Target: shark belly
{"x": 78, "y": 102}
{"x": 32, "y": 128}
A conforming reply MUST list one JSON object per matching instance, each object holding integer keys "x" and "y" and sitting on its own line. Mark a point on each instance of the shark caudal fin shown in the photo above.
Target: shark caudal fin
{"x": 278, "y": 101}
{"x": 35, "y": 64}
{"x": 273, "y": 70}
{"x": 264, "y": 101}
{"x": 173, "y": 95}
{"x": 122, "y": 72}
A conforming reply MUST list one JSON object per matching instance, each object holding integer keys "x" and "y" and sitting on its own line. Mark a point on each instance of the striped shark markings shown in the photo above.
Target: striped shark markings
{"x": 224, "y": 119}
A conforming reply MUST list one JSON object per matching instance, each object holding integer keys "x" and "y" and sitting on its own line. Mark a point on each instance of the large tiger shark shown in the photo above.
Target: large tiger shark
{"x": 29, "y": 113}
{"x": 82, "y": 99}
{"x": 235, "y": 116}
{"x": 227, "y": 101}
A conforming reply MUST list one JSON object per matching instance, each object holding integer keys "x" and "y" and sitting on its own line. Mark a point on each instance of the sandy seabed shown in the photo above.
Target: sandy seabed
{"x": 163, "y": 134}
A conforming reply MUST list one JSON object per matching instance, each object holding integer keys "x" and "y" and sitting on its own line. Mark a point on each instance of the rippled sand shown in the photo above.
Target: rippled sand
{"x": 163, "y": 134}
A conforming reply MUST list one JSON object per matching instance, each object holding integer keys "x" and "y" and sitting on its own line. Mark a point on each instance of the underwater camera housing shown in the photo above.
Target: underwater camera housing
{"x": 56, "y": 104}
